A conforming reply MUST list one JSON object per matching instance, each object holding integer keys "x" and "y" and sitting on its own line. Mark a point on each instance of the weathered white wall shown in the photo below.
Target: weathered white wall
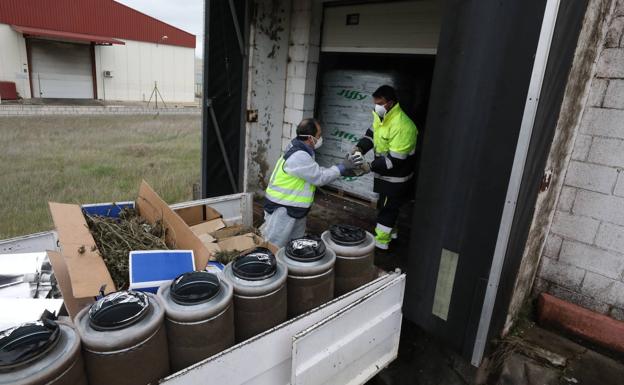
{"x": 268, "y": 60}
{"x": 137, "y": 65}
{"x": 583, "y": 259}
{"x": 13, "y": 60}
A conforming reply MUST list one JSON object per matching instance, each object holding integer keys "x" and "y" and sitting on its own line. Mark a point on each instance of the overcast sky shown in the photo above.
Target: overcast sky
{"x": 184, "y": 14}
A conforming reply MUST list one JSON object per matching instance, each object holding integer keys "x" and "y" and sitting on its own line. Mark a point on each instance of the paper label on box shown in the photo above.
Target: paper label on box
{"x": 215, "y": 268}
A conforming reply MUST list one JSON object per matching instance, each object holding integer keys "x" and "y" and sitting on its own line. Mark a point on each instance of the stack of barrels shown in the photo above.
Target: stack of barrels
{"x": 132, "y": 337}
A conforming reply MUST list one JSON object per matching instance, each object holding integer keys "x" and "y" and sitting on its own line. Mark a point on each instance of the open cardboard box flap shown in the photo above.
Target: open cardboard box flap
{"x": 72, "y": 304}
{"x": 85, "y": 267}
{"x": 179, "y": 234}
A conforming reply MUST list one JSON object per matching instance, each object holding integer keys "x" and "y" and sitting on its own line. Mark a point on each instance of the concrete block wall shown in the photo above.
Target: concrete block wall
{"x": 303, "y": 56}
{"x": 583, "y": 259}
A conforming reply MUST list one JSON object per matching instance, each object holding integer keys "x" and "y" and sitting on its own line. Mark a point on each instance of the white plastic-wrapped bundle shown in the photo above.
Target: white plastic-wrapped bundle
{"x": 345, "y": 112}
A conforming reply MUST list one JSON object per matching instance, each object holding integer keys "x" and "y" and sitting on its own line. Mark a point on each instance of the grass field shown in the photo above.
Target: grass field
{"x": 76, "y": 159}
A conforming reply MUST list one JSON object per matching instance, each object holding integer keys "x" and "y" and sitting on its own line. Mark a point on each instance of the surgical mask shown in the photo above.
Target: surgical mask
{"x": 317, "y": 142}
{"x": 380, "y": 110}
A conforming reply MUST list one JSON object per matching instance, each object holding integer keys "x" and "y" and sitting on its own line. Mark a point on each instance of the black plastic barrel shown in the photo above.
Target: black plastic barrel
{"x": 259, "y": 282}
{"x": 310, "y": 273}
{"x": 355, "y": 256}
{"x": 124, "y": 340}
{"x": 43, "y": 352}
{"x": 199, "y": 317}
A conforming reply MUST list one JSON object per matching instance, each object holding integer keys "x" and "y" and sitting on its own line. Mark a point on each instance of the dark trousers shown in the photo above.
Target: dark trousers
{"x": 388, "y": 209}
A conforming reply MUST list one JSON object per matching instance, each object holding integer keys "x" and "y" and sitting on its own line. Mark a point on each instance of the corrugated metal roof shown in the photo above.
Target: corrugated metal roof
{"x": 66, "y": 35}
{"x": 92, "y": 17}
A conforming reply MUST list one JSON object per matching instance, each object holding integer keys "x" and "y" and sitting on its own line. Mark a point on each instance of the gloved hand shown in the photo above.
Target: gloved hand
{"x": 362, "y": 169}
{"x": 356, "y": 149}
{"x": 350, "y": 162}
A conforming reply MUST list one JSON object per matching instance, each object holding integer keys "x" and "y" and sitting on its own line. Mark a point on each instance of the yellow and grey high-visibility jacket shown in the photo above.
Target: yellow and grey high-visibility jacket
{"x": 394, "y": 142}
{"x": 294, "y": 180}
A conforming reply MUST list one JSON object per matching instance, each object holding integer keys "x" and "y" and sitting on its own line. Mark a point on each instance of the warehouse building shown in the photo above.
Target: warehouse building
{"x": 93, "y": 49}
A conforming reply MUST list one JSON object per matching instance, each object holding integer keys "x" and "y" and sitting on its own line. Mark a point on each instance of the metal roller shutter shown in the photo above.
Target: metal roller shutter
{"x": 61, "y": 70}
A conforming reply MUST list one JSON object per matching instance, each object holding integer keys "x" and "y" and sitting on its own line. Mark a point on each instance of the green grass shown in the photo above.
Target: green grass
{"x": 79, "y": 159}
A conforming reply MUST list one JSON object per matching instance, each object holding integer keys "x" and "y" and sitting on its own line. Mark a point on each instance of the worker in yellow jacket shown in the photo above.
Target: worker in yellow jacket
{"x": 393, "y": 137}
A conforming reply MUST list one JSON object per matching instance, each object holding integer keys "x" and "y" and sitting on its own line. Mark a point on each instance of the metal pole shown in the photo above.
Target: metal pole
{"x": 205, "y": 100}
{"x": 239, "y": 34}
{"x": 226, "y": 160}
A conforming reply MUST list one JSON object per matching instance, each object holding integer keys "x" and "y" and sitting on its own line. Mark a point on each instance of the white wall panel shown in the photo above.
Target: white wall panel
{"x": 408, "y": 27}
{"x": 137, "y": 65}
{"x": 13, "y": 59}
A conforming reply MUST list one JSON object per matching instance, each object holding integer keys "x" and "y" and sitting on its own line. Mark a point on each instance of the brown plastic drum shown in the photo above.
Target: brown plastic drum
{"x": 134, "y": 355}
{"x": 354, "y": 264}
{"x": 61, "y": 365}
{"x": 198, "y": 331}
{"x": 310, "y": 284}
{"x": 258, "y": 305}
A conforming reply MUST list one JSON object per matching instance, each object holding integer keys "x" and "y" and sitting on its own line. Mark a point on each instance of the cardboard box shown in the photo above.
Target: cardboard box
{"x": 86, "y": 271}
{"x": 197, "y": 214}
{"x": 240, "y": 242}
{"x": 151, "y": 268}
{"x": 228, "y": 232}
{"x": 245, "y": 242}
{"x": 208, "y": 227}
{"x": 206, "y": 238}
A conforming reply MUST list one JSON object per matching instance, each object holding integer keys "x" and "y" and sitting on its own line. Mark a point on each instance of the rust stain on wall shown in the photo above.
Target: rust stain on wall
{"x": 259, "y": 158}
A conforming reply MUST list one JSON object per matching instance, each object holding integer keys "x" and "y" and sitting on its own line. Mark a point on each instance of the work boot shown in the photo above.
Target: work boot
{"x": 382, "y": 236}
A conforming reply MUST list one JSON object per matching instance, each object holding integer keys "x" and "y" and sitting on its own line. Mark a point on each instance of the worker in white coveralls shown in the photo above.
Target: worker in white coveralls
{"x": 392, "y": 136}
{"x": 290, "y": 193}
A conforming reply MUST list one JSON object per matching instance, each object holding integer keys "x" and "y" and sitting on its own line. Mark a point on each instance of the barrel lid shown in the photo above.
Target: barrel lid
{"x": 118, "y": 310}
{"x": 347, "y": 235}
{"x": 26, "y": 342}
{"x": 255, "y": 265}
{"x": 194, "y": 287}
{"x": 306, "y": 249}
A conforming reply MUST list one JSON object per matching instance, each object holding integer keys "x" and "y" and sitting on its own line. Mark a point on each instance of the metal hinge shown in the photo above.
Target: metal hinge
{"x": 546, "y": 178}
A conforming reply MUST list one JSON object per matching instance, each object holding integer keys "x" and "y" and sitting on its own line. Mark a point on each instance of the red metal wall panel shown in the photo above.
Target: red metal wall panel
{"x": 94, "y": 17}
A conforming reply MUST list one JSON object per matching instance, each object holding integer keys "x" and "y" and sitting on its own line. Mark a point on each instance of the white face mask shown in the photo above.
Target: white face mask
{"x": 380, "y": 110}
{"x": 318, "y": 143}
